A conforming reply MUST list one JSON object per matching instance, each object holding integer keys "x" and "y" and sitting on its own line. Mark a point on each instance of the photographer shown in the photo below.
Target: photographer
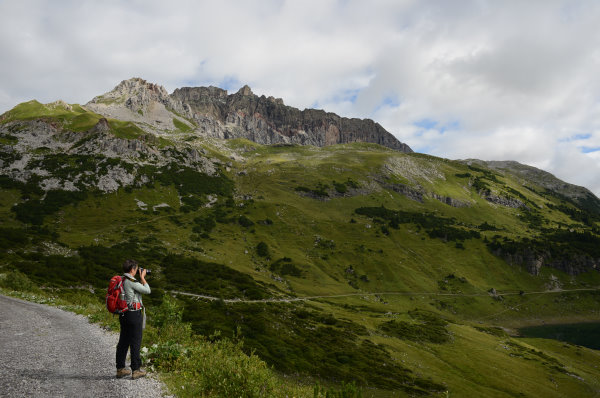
{"x": 132, "y": 321}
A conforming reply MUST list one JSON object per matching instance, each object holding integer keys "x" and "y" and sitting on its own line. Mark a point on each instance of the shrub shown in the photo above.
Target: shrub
{"x": 262, "y": 249}
{"x": 345, "y": 391}
{"x": 168, "y": 315}
{"x": 285, "y": 266}
{"x": 12, "y": 237}
{"x": 430, "y": 328}
{"x": 222, "y": 369}
{"x": 193, "y": 275}
{"x": 245, "y": 221}
{"x": 319, "y": 191}
{"x": 17, "y": 281}
{"x": 163, "y": 355}
{"x": 340, "y": 187}
{"x": 34, "y": 211}
{"x": 204, "y": 224}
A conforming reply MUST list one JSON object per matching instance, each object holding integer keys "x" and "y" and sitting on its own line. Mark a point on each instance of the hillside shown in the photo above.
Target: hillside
{"x": 418, "y": 269}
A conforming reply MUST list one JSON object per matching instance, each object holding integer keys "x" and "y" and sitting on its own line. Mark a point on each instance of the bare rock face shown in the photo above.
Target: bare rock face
{"x": 268, "y": 120}
{"x": 215, "y": 113}
{"x": 533, "y": 260}
{"x": 147, "y": 104}
{"x": 203, "y": 101}
{"x": 502, "y": 201}
{"x": 450, "y": 201}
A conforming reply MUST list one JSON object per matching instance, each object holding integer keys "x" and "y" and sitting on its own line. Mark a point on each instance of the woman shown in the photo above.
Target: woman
{"x": 132, "y": 321}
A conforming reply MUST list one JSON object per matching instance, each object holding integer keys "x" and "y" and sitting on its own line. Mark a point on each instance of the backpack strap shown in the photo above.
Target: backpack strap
{"x": 133, "y": 306}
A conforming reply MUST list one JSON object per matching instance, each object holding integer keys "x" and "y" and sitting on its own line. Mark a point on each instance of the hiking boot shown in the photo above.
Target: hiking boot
{"x": 123, "y": 372}
{"x": 138, "y": 373}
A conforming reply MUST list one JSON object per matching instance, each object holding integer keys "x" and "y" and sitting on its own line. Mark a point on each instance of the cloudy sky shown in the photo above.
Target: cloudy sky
{"x": 494, "y": 80}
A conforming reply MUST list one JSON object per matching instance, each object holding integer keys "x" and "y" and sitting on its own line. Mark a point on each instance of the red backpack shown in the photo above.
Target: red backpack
{"x": 115, "y": 296}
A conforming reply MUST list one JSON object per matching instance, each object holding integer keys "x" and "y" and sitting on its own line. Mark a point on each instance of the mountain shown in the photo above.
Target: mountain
{"x": 408, "y": 274}
{"x": 212, "y": 112}
{"x": 581, "y": 195}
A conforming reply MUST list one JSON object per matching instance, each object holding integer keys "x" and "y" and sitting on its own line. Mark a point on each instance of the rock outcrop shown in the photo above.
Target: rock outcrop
{"x": 146, "y": 104}
{"x": 533, "y": 260}
{"x": 502, "y": 201}
{"x": 215, "y": 113}
{"x": 450, "y": 201}
{"x": 92, "y": 160}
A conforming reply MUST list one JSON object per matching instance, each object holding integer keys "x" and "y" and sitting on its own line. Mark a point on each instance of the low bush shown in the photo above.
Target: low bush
{"x": 435, "y": 226}
{"x": 33, "y": 211}
{"x": 340, "y": 187}
{"x": 220, "y": 369}
{"x": 18, "y": 281}
{"x": 285, "y": 266}
{"x": 344, "y": 391}
{"x": 245, "y": 221}
{"x": 430, "y": 328}
{"x": 262, "y": 249}
{"x": 193, "y": 275}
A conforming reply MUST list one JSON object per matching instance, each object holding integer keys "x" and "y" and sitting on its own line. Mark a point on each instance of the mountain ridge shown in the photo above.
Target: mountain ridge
{"x": 581, "y": 195}
{"x": 215, "y": 113}
{"x": 212, "y": 112}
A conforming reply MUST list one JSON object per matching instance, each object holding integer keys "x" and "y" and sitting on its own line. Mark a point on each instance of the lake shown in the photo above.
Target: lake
{"x": 584, "y": 334}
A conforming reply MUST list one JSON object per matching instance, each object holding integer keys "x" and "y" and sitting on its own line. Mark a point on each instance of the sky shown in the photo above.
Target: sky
{"x": 493, "y": 80}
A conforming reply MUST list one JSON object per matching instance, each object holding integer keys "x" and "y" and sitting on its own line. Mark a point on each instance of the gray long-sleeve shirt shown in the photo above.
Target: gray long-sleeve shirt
{"x": 134, "y": 290}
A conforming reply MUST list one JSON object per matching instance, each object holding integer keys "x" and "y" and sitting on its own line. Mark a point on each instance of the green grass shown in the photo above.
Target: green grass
{"x": 71, "y": 117}
{"x": 320, "y": 245}
{"x": 75, "y": 119}
{"x": 127, "y": 130}
{"x": 183, "y": 127}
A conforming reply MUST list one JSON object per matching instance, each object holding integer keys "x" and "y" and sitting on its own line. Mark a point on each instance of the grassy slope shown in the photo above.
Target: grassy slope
{"x": 474, "y": 363}
{"x": 70, "y": 117}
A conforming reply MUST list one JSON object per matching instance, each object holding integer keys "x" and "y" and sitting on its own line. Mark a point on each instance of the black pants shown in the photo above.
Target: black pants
{"x": 130, "y": 337}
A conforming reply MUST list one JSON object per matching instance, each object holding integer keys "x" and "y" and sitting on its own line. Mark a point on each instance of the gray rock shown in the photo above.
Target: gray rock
{"x": 240, "y": 115}
{"x": 450, "y": 201}
{"x": 502, "y": 201}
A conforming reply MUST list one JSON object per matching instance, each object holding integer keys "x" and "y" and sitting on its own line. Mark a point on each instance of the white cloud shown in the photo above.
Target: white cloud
{"x": 505, "y": 80}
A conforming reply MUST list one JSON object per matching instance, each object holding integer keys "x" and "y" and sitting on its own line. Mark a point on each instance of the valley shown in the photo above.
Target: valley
{"x": 404, "y": 273}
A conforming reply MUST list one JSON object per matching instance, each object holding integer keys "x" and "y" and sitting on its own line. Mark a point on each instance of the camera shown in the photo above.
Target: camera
{"x": 147, "y": 271}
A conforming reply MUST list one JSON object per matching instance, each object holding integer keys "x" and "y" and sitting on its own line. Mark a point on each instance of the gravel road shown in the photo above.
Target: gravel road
{"x": 48, "y": 352}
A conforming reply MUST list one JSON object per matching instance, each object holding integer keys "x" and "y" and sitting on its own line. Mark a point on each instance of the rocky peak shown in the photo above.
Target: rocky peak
{"x": 136, "y": 93}
{"x": 136, "y": 100}
{"x": 245, "y": 91}
{"x": 200, "y": 94}
{"x": 266, "y": 120}
{"x": 278, "y": 101}
{"x": 201, "y": 101}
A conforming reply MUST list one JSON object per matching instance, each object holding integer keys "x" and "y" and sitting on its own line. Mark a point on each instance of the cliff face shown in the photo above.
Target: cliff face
{"x": 267, "y": 120}
{"x": 215, "y": 113}
{"x": 148, "y": 105}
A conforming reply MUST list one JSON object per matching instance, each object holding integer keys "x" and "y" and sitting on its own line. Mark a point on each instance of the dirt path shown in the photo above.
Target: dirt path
{"x": 48, "y": 352}
{"x": 307, "y": 298}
